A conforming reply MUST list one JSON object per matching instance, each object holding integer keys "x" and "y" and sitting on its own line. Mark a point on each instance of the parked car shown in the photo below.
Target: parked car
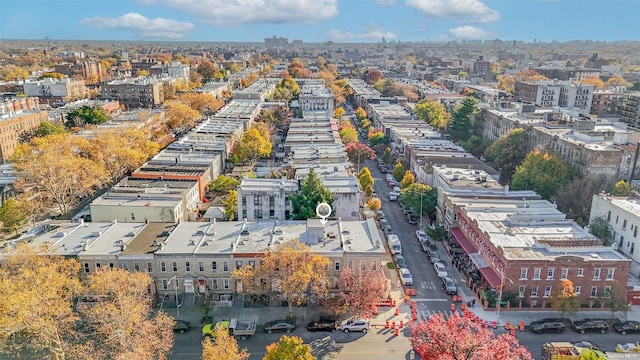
{"x": 585, "y": 325}
{"x": 413, "y": 220}
{"x": 422, "y": 236}
{"x": 396, "y": 189}
{"x": 391, "y": 183}
{"x": 547, "y": 325}
{"x": 352, "y": 324}
{"x": 181, "y": 326}
{"x": 384, "y": 169}
{"x": 627, "y": 327}
{"x": 322, "y": 324}
{"x": 441, "y": 271}
{"x": 393, "y": 196}
{"x": 449, "y": 286}
{"x": 381, "y": 215}
{"x": 400, "y": 261}
{"x": 278, "y": 325}
{"x": 434, "y": 257}
{"x": 425, "y": 246}
{"x": 405, "y": 277}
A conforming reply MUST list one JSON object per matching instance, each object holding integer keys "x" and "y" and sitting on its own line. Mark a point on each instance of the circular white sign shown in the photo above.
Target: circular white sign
{"x": 323, "y": 210}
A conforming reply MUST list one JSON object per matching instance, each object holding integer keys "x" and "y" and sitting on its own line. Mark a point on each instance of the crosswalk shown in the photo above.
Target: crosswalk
{"x": 426, "y": 314}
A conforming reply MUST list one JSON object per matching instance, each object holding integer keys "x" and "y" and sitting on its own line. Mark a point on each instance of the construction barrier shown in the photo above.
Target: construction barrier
{"x": 413, "y": 304}
{"x": 507, "y": 326}
{"x": 521, "y": 325}
{"x": 513, "y": 331}
{"x": 413, "y": 292}
{"x": 477, "y": 318}
{"x": 386, "y": 324}
{"x": 463, "y": 307}
{"x": 397, "y": 311}
{"x": 407, "y": 292}
{"x": 374, "y": 310}
{"x": 401, "y": 324}
{"x": 495, "y": 325}
{"x": 406, "y": 298}
{"x": 414, "y": 316}
{"x": 393, "y": 324}
{"x": 397, "y": 331}
{"x": 453, "y": 307}
{"x": 393, "y": 302}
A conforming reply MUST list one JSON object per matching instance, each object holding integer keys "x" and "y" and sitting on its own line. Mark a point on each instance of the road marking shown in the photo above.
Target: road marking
{"x": 425, "y": 300}
{"x": 426, "y": 314}
{"x": 427, "y": 285}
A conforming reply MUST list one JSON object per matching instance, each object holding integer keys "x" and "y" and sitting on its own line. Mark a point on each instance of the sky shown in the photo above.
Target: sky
{"x": 321, "y": 20}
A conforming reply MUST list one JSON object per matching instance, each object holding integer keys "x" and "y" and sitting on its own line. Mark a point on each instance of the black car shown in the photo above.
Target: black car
{"x": 400, "y": 261}
{"x": 278, "y": 325}
{"x": 627, "y": 327}
{"x": 323, "y": 325}
{"x": 585, "y": 325}
{"x": 181, "y": 326}
{"x": 548, "y": 326}
{"x": 413, "y": 220}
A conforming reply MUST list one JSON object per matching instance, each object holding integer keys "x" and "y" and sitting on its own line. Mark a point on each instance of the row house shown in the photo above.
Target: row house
{"x": 53, "y": 91}
{"x": 265, "y": 199}
{"x": 622, "y": 214}
{"x": 14, "y": 126}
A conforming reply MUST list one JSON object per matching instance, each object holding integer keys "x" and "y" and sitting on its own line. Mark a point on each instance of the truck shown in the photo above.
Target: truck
{"x": 237, "y": 328}
{"x": 567, "y": 351}
{"x": 394, "y": 244}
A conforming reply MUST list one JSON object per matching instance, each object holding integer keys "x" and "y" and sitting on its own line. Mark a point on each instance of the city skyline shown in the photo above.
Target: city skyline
{"x": 319, "y": 21}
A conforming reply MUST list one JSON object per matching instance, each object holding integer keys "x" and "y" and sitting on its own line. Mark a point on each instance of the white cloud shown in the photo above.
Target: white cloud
{"x": 464, "y": 10}
{"x": 236, "y": 12}
{"x": 470, "y": 32}
{"x": 142, "y": 26}
{"x": 371, "y": 32}
{"x": 386, "y": 2}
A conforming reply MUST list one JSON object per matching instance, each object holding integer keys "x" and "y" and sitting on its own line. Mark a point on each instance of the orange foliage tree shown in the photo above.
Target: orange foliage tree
{"x": 361, "y": 286}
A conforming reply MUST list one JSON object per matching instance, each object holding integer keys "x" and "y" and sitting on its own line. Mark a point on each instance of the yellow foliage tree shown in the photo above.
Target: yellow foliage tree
{"x": 251, "y": 147}
{"x": 407, "y": 179}
{"x": 618, "y": 81}
{"x": 223, "y": 346}
{"x": 180, "y": 117}
{"x": 374, "y": 204}
{"x": 599, "y": 84}
{"x": 289, "y": 348}
{"x": 339, "y": 113}
{"x": 201, "y": 102}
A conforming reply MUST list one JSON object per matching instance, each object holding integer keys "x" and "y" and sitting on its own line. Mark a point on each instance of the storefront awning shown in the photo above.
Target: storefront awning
{"x": 492, "y": 278}
{"x": 465, "y": 244}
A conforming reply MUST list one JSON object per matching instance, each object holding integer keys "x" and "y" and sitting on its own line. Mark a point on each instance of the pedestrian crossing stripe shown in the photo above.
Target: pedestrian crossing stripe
{"x": 426, "y": 314}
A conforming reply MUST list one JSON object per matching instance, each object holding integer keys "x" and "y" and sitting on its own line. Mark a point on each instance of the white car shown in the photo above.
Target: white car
{"x": 405, "y": 277}
{"x": 393, "y": 196}
{"x": 422, "y": 236}
{"x": 355, "y": 325}
{"x": 441, "y": 271}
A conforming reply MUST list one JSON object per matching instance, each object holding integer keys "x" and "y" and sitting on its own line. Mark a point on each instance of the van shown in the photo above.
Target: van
{"x": 394, "y": 244}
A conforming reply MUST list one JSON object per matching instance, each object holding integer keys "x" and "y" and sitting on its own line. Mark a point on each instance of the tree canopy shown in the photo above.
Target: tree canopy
{"x": 310, "y": 194}
{"x": 359, "y": 152}
{"x": 222, "y": 346}
{"x": 289, "y": 348}
{"x": 433, "y": 113}
{"x": 251, "y": 147}
{"x": 13, "y": 214}
{"x": 564, "y": 298}
{"x": 621, "y": 188}
{"x": 398, "y": 171}
{"x": 542, "y": 172}
{"x": 460, "y": 124}
{"x": 507, "y": 153}
{"x": 360, "y": 286}
{"x": 85, "y": 115}
{"x": 416, "y": 192}
{"x": 224, "y": 183}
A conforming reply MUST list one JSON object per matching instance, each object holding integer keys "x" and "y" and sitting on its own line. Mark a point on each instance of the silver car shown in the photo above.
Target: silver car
{"x": 449, "y": 286}
{"x": 440, "y": 269}
{"x": 355, "y": 325}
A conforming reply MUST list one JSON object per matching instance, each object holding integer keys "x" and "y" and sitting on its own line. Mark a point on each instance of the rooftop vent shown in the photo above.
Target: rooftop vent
{"x": 244, "y": 232}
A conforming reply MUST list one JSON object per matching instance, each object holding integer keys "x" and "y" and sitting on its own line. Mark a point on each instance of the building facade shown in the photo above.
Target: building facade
{"x": 265, "y": 199}
{"x": 13, "y": 126}
{"x": 622, "y": 214}
{"x": 137, "y": 93}
{"x": 54, "y": 91}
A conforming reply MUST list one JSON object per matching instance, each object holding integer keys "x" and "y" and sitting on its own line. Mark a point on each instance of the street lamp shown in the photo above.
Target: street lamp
{"x": 502, "y": 277}
{"x": 175, "y": 286}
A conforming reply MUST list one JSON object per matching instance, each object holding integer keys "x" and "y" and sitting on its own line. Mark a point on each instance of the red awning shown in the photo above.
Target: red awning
{"x": 492, "y": 278}
{"x": 466, "y": 245}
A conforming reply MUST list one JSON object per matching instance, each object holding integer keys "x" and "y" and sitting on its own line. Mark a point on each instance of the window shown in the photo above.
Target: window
{"x": 351, "y": 264}
{"x": 187, "y": 266}
{"x": 580, "y": 272}
{"x": 238, "y": 264}
{"x": 272, "y": 200}
{"x": 165, "y": 284}
{"x": 163, "y": 267}
{"x": 594, "y": 291}
{"x": 624, "y": 224}
{"x": 136, "y": 266}
{"x": 201, "y": 266}
{"x": 534, "y": 291}
{"x": 374, "y": 265}
{"x": 363, "y": 265}
{"x": 336, "y": 265}
{"x": 577, "y": 290}
{"x": 257, "y": 214}
{"x": 175, "y": 266}
{"x": 252, "y": 263}
{"x": 110, "y": 265}
{"x": 536, "y": 274}
{"x": 633, "y": 245}
{"x": 257, "y": 200}
{"x": 523, "y": 273}
{"x": 244, "y": 201}
{"x": 86, "y": 268}
{"x": 214, "y": 266}
{"x": 564, "y": 273}
{"x": 607, "y": 292}
{"x": 225, "y": 266}
{"x": 547, "y": 291}
{"x": 149, "y": 267}
{"x": 97, "y": 266}
{"x": 550, "y": 273}
{"x": 214, "y": 283}
{"x": 521, "y": 291}
{"x": 610, "y": 274}
{"x": 125, "y": 266}
{"x": 635, "y": 232}
{"x": 226, "y": 283}
{"x": 617, "y": 217}
{"x": 133, "y": 217}
{"x": 596, "y": 274}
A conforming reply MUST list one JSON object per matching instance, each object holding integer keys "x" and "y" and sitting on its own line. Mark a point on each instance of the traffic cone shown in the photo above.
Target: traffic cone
{"x": 396, "y": 331}
{"x": 393, "y": 324}
{"x": 495, "y": 325}
{"x": 393, "y": 302}
{"x": 463, "y": 307}
{"x": 414, "y": 316}
{"x": 374, "y": 310}
{"x": 513, "y": 331}
{"x": 401, "y": 324}
{"x": 413, "y": 304}
{"x": 406, "y": 292}
{"x": 507, "y": 326}
{"x": 413, "y": 292}
{"x": 453, "y": 306}
{"x": 397, "y": 312}
{"x": 521, "y": 325}
{"x": 386, "y": 324}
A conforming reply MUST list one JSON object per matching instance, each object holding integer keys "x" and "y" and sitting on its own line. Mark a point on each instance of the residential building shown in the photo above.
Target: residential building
{"x": 14, "y": 126}
{"x": 265, "y": 199}
{"x": 629, "y": 109}
{"x": 53, "y": 91}
{"x": 552, "y": 93}
{"x": 276, "y": 42}
{"x": 135, "y": 93}
{"x": 622, "y": 214}
{"x": 171, "y": 170}
{"x": 314, "y": 96}
{"x": 606, "y": 102}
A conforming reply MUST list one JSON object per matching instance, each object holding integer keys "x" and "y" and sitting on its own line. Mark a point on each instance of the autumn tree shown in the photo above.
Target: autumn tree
{"x": 13, "y": 215}
{"x": 530, "y": 75}
{"x": 290, "y": 268}
{"x": 360, "y": 113}
{"x": 297, "y": 70}
{"x": 542, "y": 172}
{"x": 52, "y": 75}
{"x": 618, "y": 81}
{"x": 222, "y": 346}
{"x": 142, "y": 73}
{"x": 506, "y": 82}
{"x": 46, "y": 128}
{"x": 360, "y": 287}
{"x": 231, "y": 205}
{"x": 287, "y": 89}
{"x": 459, "y": 126}
{"x": 433, "y": 113}
{"x": 208, "y": 71}
{"x": 223, "y": 183}
{"x": 85, "y": 115}
{"x": 407, "y": 179}
{"x": 13, "y": 73}
{"x": 374, "y": 204}
{"x": 311, "y": 193}
{"x": 339, "y": 113}
{"x": 372, "y": 76}
{"x": 460, "y": 338}
{"x": 564, "y": 298}
{"x": 507, "y": 153}
{"x": 596, "y": 82}
{"x": 348, "y": 134}
{"x": 251, "y": 147}
{"x": 359, "y": 152}
{"x": 386, "y": 156}
{"x": 124, "y": 326}
{"x": 202, "y": 102}
{"x": 39, "y": 320}
{"x": 365, "y": 178}
{"x": 377, "y": 137}
{"x": 420, "y": 197}
{"x": 289, "y": 348}
{"x": 621, "y": 188}
{"x": 398, "y": 171}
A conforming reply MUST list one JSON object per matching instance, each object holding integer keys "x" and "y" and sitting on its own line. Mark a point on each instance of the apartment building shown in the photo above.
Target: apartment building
{"x": 14, "y": 125}
{"x": 605, "y": 103}
{"x": 622, "y": 214}
{"x": 629, "y": 109}
{"x": 53, "y": 91}
{"x": 276, "y": 42}
{"x": 262, "y": 199}
{"x": 135, "y": 93}
{"x": 552, "y": 93}
{"x": 314, "y": 96}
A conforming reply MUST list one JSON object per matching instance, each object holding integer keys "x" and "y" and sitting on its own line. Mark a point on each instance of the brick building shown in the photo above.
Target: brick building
{"x": 53, "y": 91}
{"x": 135, "y": 93}
{"x": 17, "y": 117}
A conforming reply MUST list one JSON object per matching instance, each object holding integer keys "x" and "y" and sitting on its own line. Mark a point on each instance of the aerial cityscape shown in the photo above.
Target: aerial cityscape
{"x": 336, "y": 179}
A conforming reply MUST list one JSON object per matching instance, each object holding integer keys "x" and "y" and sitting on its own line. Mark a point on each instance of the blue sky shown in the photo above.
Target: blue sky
{"x": 321, "y": 20}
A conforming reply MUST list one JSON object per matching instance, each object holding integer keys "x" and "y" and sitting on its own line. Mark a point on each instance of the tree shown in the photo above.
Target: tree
{"x": 251, "y": 147}
{"x": 530, "y": 75}
{"x": 123, "y": 324}
{"x": 433, "y": 113}
{"x": 222, "y": 346}
{"x": 635, "y": 86}
{"x": 507, "y": 153}
{"x": 374, "y": 204}
{"x": 348, "y": 134}
{"x": 476, "y": 145}
{"x": 616, "y": 300}
{"x": 339, "y": 113}
{"x": 506, "y": 82}
{"x": 291, "y": 87}
{"x": 365, "y": 178}
{"x": 372, "y": 76}
{"x": 85, "y": 115}
{"x": 618, "y": 81}
{"x": 46, "y": 128}
{"x": 359, "y": 152}
{"x": 621, "y": 188}
{"x": 13, "y": 214}
{"x": 231, "y": 205}
{"x": 600, "y": 228}
{"x": 360, "y": 287}
{"x": 142, "y": 73}
{"x": 223, "y": 184}
{"x": 52, "y": 75}
{"x": 415, "y": 193}
{"x": 297, "y": 70}
{"x": 208, "y": 71}
{"x": 289, "y": 348}
{"x": 311, "y": 193}
{"x": 377, "y": 137}
{"x": 360, "y": 113}
{"x": 39, "y": 319}
{"x": 574, "y": 197}
{"x": 398, "y": 171}
{"x": 386, "y": 156}
{"x": 541, "y": 172}
{"x": 202, "y": 102}
{"x": 460, "y": 125}
{"x": 13, "y": 73}
{"x": 459, "y": 338}
{"x": 596, "y": 82}
{"x": 180, "y": 117}
{"x": 407, "y": 179}
{"x": 564, "y": 298}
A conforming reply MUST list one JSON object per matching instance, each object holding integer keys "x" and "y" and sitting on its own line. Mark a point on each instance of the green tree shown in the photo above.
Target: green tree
{"x": 507, "y": 153}
{"x": 600, "y": 228}
{"x": 46, "y": 128}
{"x": 476, "y": 145}
{"x": 365, "y": 178}
{"x": 231, "y": 205}
{"x": 564, "y": 298}
{"x": 416, "y": 193}
{"x": 290, "y": 85}
{"x": 407, "y": 179}
{"x": 541, "y": 172}
{"x": 398, "y": 171}
{"x": 289, "y": 348}
{"x": 86, "y": 115}
{"x": 460, "y": 125}
{"x": 311, "y": 193}
{"x": 621, "y": 188}
{"x": 636, "y": 86}
{"x": 433, "y": 113}
{"x": 223, "y": 183}
{"x": 13, "y": 215}
{"x": 377, "y": 138}
{"x": 616, "y": 300}
{"x": 386, "y": 156}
